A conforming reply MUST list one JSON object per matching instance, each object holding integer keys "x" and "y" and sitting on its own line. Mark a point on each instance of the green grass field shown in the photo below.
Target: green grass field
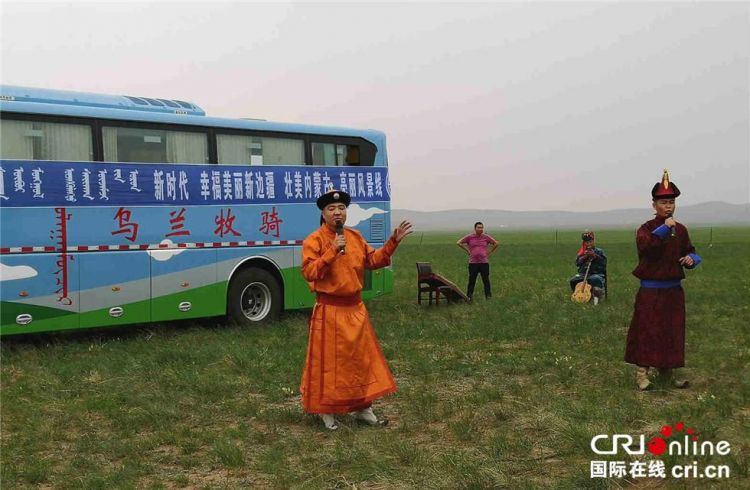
{"x": 506, "y": 393}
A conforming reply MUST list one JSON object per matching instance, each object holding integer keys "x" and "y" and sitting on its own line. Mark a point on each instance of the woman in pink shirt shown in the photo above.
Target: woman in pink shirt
{"x": 479, "y": 247}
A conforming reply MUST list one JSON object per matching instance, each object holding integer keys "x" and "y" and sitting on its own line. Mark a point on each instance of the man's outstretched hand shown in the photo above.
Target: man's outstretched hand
{"x": 402, "y": 231}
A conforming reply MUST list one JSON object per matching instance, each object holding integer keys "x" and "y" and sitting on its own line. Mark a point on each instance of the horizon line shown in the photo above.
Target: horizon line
{"x": 560, "y": 210}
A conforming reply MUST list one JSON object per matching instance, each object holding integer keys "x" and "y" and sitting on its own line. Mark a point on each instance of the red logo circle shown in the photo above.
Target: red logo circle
{"x": 657, "y": 446}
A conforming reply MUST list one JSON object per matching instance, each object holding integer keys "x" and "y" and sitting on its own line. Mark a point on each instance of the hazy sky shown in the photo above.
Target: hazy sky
{"x": 519, "y": 106}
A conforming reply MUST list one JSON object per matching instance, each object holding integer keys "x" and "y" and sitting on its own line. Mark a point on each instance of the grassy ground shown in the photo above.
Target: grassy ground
{"x": 506, "y": 393}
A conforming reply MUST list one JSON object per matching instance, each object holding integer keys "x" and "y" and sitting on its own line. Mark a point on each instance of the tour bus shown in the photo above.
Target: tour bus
{"x": 125, "y": 209}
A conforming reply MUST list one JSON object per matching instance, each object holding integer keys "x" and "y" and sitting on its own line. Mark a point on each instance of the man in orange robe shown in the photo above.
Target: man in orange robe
{"x": 345, "y": 369}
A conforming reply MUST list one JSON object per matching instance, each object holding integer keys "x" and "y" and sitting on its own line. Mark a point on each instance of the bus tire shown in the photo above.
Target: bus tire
{"x": 254, "y": 298}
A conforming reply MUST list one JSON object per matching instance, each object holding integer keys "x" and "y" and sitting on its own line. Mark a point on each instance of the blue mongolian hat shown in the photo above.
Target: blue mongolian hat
{"x": 333, "y": 196}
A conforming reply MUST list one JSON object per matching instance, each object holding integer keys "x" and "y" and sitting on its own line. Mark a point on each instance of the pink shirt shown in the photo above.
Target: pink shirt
{"x": 478, "y": 247}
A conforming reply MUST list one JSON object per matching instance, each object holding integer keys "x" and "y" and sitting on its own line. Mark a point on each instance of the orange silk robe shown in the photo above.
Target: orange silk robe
{"x": 345, "y": 369}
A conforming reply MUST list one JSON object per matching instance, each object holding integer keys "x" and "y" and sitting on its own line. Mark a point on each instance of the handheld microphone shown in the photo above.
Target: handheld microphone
{"x": 671, "y": 228}
{"x": 340, "y": 231}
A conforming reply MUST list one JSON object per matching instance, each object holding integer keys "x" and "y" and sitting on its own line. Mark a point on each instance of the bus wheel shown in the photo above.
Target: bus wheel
{"x": 254, "y": 297}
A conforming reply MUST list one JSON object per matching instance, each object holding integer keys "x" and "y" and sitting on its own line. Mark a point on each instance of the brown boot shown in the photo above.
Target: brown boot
{"x": 641, "y": 377}
{"x": 668, "y": 375}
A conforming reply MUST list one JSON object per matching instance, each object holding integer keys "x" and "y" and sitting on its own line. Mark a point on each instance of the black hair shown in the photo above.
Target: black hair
{"x": 478, "y": 223}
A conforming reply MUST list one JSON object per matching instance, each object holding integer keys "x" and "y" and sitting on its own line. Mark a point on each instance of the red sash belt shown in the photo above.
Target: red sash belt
{"x": 328, "y": 299}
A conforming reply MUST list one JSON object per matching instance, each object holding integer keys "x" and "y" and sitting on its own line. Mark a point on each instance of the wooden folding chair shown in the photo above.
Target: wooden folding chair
{"x": 436, "y": 286}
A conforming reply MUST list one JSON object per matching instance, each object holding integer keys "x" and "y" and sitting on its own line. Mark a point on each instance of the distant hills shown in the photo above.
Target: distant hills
{"x": 708, "y": 213}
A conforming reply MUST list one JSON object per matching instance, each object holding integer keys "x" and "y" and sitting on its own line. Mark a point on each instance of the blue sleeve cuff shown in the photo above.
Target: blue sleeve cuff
{"x": 661, "y": 231}
{"x": 696, "y": 260}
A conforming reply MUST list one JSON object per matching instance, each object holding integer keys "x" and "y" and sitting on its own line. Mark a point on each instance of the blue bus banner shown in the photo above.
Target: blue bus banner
{"x": 82, "y": 184}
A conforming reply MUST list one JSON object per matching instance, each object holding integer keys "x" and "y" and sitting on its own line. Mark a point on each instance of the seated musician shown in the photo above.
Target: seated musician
{"x": 589, "y": 252}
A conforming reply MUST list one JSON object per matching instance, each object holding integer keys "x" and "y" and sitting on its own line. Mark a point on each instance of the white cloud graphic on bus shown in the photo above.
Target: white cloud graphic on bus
{"x": 11, "y": 273}
{"x": 163, "y": 255}
{"x": 355, "y": 214}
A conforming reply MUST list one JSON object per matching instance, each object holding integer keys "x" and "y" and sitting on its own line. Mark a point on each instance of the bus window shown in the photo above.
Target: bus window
{"x": 34, "y": 140}
{"x": 324, "y": 154}
{"x": 154, "y": 145}
{"x": 330, "y": 154}
{"x": 352, "y": 155}
{"x": 255, "y": 150}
